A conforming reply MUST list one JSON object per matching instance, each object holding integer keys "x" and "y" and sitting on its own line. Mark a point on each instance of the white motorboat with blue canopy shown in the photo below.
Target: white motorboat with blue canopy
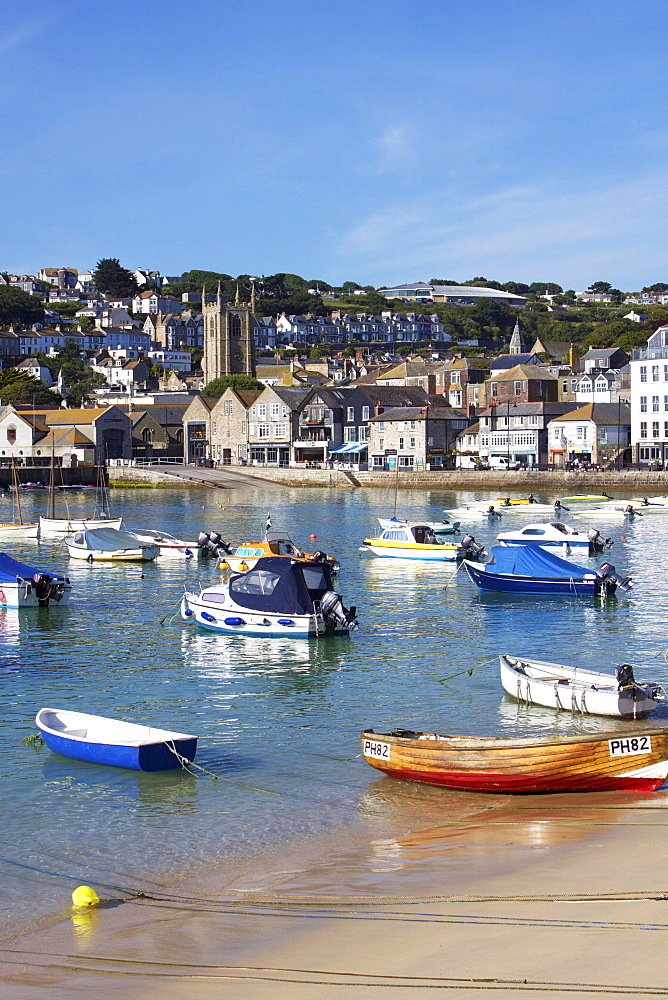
{"x": 278, "y": 597}
{"x": 24, "y": 586}
{"x": 530, "y": 569}
{"x": 109, "y": 545}
{"x": 555, "y": 534}
{"x": 574, "y": 689}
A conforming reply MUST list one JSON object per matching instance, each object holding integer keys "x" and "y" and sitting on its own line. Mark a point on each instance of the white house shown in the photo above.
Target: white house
{"x": 595, "y": 388}
{"x": 596, "y": 433}
{"x": 649, "y": 400}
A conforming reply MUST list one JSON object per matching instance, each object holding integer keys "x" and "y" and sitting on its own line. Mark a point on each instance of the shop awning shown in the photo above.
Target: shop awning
{"x": 348, "y": 449}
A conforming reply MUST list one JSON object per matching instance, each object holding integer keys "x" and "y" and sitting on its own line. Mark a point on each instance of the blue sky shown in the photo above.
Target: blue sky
{"x": 371, "y": 141}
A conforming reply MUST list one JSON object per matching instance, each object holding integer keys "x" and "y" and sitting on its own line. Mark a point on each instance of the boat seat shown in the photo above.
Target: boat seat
{"x": 82, "y": 733}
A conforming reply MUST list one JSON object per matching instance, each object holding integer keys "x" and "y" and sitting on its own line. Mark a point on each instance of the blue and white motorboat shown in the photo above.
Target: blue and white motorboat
{"x": 555, "y": 534}
{"x": 530, "y": 569}
{"x": 100, "y": 740}
{"x": 278, "y": 597}
{"x": 24, "y": 586}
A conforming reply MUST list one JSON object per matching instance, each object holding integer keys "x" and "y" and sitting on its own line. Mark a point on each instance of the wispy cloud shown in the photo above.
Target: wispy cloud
{"x": 24, "y": 33}
{"x": 611, "y": 231}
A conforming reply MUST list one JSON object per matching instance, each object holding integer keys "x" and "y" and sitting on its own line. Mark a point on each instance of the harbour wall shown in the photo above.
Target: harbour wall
{"x": 630, "y": 482}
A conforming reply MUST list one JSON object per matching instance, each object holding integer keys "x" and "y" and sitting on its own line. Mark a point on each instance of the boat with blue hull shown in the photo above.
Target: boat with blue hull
{"x": 530, "y": 569}
{"x": 100, "y": 740}
{"x": 278, "y": 597}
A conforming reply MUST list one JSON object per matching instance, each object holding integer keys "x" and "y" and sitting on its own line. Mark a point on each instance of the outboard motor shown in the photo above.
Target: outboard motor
{"x": 624, "y": 675}
{"x": 470, "y": 548}
{"x": 608, "y": 580}
{"x": 212, "y": 545}
{"x": 597, "y": 543}
{"x": 47, "y": 589}
{"x": 334, "y": 612}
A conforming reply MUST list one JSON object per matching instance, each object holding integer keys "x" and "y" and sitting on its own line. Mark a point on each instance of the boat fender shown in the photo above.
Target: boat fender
{"x": 243, "y": 567}
{"x": 207, "y": 617}
{"x": 89, "y": 558}
{"x": 187, "y": 552}
{"x": 2, "y": 596}
{"x": 235, "y": 621}
{"x": 188, "y": 613}
{"x": 286, "y": 621}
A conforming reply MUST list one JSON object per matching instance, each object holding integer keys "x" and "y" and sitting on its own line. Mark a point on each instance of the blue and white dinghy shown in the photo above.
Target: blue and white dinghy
{"x": 24, "y": 586}
{"x": 278, "y": 597}
{"x": 100, "y": 740}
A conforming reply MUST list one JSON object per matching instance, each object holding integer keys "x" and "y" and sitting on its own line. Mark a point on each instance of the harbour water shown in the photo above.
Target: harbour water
{"x": 278, "y": 721}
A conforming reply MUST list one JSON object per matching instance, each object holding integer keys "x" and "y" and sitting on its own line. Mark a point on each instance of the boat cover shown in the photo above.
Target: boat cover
{"x": 109, "y": 539}
{"x": 10, "y": 570}
{"x": 281, "y": 586}
{"x": 531, "y": 560}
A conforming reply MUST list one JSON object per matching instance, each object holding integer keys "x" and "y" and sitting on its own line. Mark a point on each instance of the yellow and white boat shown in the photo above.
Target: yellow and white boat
{"x": 274, "y": 543}
{"x": 413, "y": 540}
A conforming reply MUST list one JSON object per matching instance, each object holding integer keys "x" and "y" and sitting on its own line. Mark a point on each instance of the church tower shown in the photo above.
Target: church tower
{"x": 229, "y": 338}
{"x": 517, "y": 345}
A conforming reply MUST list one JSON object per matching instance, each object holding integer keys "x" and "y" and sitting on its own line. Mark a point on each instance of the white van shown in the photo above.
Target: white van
{"x": 502, "y": 462}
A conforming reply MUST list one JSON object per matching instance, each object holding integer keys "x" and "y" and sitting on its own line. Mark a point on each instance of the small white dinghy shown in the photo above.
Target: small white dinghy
{"x": 168, "y": 545}
{"x": 572, "y": 689}
{"x": 109, "y": 545}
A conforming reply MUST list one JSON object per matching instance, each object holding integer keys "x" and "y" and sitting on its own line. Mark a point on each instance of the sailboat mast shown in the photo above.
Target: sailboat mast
{"x": 17, "y": 491}
{"x": 52, "y": 484}
{"x": 396, "y": 485}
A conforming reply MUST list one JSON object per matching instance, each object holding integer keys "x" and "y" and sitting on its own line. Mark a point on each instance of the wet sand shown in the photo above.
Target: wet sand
{"x": 550, "y": 895}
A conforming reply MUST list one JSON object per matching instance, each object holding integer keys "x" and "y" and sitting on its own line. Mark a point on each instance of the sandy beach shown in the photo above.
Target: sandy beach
{"x": 561, "y": 895}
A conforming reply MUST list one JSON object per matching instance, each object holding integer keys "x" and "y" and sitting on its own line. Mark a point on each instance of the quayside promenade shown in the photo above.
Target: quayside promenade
{"x": 628, "y": 482}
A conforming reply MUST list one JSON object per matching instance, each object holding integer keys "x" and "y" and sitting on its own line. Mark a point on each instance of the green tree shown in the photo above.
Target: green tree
{"x": 19, "y": 308}
{"x": 114, "y": 280}
{"x": 218, "y": 385}
{"x": 315, "y": 353}
{"x": 20, "y": 387}
{"x": 659, "y": 287}
{"x": 599, "y": 287}
{"x": 541, "y": 287}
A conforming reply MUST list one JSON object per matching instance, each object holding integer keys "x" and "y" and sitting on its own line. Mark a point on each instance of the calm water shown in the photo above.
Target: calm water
{"x": 279, "y": 716}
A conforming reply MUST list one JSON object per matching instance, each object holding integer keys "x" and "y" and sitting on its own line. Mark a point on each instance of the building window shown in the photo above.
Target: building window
{"x": 564, "y": 385}
{"x": 362, "y": 434}
{"x": 349, "y": 434}
{"x": 655, "y": 373}
{"x": 643, "y": 404}
{"x": 264, "y": 430}
{"x": 655, "y": 428}
{"x": 406, "y": 461}
{"x": 643, "y": 373}
{"x": 365, "y": 413}
{"x": 401, "y": 442}
{"x": 495, "y": 390}
{"x": 147, "y": 435}
{"x": 643, "y": 429}
{"x": 275, "y": 409}
{"x": 655, "y": 404}
{"x": 518, "y": 388}
{"x": 11, "y": 434}
{"x": 214, "y": 427}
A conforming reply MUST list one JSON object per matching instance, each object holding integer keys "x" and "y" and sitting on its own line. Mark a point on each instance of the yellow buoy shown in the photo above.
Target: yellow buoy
{"x": 223, "y": 565}
{"x": 83, "y": 895}
{"x": 243, "y": 567}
